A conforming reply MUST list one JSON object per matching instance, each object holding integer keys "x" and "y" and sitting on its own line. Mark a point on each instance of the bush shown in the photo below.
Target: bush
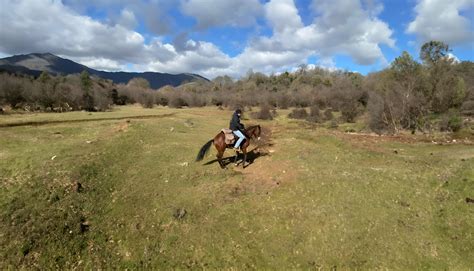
{"x": 349, "y": 111}
{"x": 328, "y": 114}
{"x": 314, "y": 114}
{"x": 467, "y": 108}
{"x": 175, "y": 100}
{"x": 147, "y": 100}
{"x": 452, "y": 122}
{"x": 263, "y": 114}
{"x": 298, "y": 113}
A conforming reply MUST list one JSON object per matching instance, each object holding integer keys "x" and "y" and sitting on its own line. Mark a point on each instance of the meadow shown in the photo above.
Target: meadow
{"x": 121, "y": 189}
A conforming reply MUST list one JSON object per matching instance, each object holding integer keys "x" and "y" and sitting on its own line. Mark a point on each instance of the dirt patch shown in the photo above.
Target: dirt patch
{"x": 265, "y": 174}
{"x": 121, "y": 127}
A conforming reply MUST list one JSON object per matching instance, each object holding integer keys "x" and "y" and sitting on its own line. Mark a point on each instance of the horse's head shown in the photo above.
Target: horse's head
{"x": 254, "y": 132}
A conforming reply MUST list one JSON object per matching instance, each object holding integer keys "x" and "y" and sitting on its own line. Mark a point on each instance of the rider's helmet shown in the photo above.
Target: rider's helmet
{"x": 238, "y": 111}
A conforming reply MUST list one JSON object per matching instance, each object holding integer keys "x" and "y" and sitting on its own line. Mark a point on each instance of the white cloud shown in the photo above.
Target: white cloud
{"x": 283, "y": 15}
{"x": 153, "y": 13}
{"x": 100, "y": 64}
{"x": 442, "y": 20}
{"x": 339, "y": 27}
{"x": 453, "y": 57}
{"x": 209, "y": 13}
{"x": 128, "y": 19}
{"x": 205, "y": 59}
{"x": 49, "y": 26}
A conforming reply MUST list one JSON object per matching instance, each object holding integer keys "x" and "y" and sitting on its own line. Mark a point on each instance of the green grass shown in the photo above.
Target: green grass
{"x": 319, "y": 199}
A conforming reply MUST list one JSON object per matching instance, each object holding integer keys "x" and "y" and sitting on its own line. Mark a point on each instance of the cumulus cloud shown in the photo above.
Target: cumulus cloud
{"x": 341, "y": 27}
{"x": 348, "y": 27}
{"x": 442, "y": 20}
{"x": 101, "y": 64}
{"x": 128, "y": 19}
{"x": 49, "y": 26}
{"x": 153, "y": 13}
{"x": 209, "y": 13}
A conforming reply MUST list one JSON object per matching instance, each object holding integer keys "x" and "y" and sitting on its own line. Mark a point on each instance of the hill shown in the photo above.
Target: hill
{"x": 34, "y": 64}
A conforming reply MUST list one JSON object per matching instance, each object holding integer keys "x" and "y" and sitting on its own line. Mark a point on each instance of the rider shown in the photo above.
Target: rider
{"x": 237, "y": 127}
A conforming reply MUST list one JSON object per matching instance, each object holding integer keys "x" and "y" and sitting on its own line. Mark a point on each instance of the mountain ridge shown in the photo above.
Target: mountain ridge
{"x": 35, "y": 63}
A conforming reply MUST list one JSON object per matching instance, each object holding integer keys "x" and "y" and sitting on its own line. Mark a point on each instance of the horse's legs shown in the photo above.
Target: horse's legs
{"x": 219, "y": 159}
{"x": 236, "y": 157}
{"x": 244, "y": 150}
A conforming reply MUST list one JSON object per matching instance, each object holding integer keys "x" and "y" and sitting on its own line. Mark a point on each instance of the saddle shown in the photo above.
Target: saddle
{"x": 229, "y": 136}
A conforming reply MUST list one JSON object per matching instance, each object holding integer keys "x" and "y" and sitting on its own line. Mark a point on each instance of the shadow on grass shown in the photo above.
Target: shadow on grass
{"x": 251, "y": 157}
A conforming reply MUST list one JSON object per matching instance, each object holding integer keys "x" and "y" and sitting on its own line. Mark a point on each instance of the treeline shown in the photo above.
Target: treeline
{"x": 406, "y": 95}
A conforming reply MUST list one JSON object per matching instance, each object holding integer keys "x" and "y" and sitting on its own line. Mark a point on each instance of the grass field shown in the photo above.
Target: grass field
{"x": 121, "y": 189}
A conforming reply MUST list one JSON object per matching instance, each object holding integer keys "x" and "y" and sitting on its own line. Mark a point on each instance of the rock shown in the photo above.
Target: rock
{"x": 78, "y": 187}
{"x": 469, "y": 200}
{"x": 184, "y": 164}
{"x": 395, "y": 151}
{"x": 180, "y": 213}
{"x": 84, "y": 226}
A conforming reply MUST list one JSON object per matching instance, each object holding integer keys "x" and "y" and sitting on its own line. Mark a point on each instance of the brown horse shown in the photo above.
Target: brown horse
{"x": 219, "y": 143}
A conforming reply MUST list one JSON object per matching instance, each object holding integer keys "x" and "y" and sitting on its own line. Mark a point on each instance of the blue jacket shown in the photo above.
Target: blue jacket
{"x": 235, "y": 123}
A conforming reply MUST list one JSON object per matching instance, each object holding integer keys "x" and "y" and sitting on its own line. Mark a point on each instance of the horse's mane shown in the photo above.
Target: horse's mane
{"x": 250, "y": 128}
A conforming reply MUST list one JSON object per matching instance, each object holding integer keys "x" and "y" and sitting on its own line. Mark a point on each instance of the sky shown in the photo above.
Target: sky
{"x": 233, "y": 37}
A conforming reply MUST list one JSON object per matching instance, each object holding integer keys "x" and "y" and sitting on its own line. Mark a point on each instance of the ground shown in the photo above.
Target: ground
{"x": 121, "y": 188}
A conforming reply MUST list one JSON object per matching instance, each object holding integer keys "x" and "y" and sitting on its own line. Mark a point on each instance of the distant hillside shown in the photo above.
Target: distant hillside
{"x": 34, "y": 64}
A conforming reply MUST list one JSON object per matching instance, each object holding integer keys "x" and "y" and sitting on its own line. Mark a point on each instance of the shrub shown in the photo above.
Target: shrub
{"x": 314, "y": 114}
{"x": 147, "y": 100}
{"x": 328, "y": 114}
{"x": 451, "y": 122}
{"x": 467, "y": 108}
{"x": 176, "y": 102}
{"x": 263, "y": 114}
{"x": 349, "y": 111}
{"x": 298, "y": 113}
{"x": 377, "y": 118}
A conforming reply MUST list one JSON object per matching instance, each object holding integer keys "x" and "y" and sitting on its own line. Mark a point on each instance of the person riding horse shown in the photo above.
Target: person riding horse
{"x": 237, "y": 128}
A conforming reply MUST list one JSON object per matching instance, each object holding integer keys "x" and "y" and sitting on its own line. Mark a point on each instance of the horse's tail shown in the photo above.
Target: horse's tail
{"x": 204, "y": 150}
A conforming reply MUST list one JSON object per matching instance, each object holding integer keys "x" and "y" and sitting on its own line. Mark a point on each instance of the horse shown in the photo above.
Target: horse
{"x": 221, "y": 146}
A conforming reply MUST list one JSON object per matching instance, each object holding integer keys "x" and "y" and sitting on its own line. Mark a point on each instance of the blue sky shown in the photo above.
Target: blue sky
{"x": 217, "y": 37}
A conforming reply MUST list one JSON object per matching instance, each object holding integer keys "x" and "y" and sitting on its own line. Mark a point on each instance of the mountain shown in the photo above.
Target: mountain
{"x": 34, "y": 64}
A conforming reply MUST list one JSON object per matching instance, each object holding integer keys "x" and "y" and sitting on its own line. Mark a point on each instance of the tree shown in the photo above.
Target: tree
{"x": 431, "y": 52}
{"x": 139, "y": 82}
{"x": 44, "y": 77}
{"x": 86, "y": 85}
{"x": 86, "y": 82}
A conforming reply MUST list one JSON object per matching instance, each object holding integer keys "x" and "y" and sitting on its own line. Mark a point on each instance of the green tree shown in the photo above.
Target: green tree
{"x": 86, "y": 82}
{"x": 433, "y": 51}
{"x": 86, "y": 85}
{"x": 44, "y": 77}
